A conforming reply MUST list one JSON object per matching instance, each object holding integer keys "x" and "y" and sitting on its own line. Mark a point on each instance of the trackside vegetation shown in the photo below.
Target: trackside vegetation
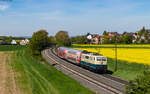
{"x": 126, "y": 70}
{"x": 35, "y": 77}
{"x": 140, "y": 85}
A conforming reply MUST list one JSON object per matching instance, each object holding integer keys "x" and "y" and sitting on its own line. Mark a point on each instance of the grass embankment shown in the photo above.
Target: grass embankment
{"x": 39, "y": 78}
{"x": 126, "y": 70}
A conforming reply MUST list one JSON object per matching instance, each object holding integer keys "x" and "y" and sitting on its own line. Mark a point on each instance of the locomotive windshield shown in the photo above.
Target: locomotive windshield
{"x": 101, "y": 59}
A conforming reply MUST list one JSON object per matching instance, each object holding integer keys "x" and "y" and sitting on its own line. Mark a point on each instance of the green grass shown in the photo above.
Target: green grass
{"x": 10, "y": 47}
{"x": 37, "y": 78}
{"x": 126, "y": 70}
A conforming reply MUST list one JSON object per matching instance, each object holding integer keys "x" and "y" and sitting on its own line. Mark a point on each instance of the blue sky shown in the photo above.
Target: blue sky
{"x": 23, "y": 17}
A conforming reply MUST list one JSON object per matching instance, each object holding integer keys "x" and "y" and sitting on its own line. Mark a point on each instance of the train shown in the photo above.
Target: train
{"x": 84, "y": 58}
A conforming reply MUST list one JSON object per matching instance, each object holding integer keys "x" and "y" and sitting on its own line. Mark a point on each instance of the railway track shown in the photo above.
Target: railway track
{"x": 106, "y": 83}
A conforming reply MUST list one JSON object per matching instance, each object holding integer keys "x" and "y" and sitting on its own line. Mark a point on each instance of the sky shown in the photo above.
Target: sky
{"x": 77, "y": 17}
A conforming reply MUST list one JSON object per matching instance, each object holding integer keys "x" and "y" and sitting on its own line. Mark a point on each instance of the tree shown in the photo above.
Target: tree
{"x": 52, "y": 39}
{"x": 62, "y": 38}
{"x": 149, "y": 40}
{"x": 79, "y": 39}
{"x": 105, "y": 39}
{"x": 105, "y": 32}
{"x": 83, "y": 39}
{"x": 8, "y": 40}
{"x": 113, "y": 40}
{"x": 143, "y": 35}
{"x": 88, "y": 34}
{"x": 38, "y": 42}
{"x": 141, "y": 85}
{"x": 126, "y": 39}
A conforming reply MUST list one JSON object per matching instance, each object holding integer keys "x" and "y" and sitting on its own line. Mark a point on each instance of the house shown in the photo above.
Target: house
{"x": 143, "y": 36}
{"x": 24, "y": 42}
{"x": 96, "y": 39}
{"x": 93, "y": 38}
{"x": 113, "y": 34}
{"x": 89, "y": 37}
{"x": 135, "y": 37}
{"x": 13, "y": 42}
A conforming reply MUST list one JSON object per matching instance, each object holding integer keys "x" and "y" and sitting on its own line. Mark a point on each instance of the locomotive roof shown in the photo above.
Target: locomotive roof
{"x": 90, "y": 53}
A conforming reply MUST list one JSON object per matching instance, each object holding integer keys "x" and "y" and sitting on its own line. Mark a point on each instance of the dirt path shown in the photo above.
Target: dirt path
{"x": 7, "y": 76}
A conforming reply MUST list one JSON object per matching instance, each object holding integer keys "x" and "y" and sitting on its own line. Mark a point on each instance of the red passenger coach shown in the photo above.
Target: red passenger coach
{"x": 69, "y": 54}
{"x": 74, "y": 55}
{"x": 61, "y": 51}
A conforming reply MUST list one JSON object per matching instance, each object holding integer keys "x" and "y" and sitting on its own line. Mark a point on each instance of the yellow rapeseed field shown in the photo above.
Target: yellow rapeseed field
{"x": 110, "y": 45}
{"x": 137, "y": 55}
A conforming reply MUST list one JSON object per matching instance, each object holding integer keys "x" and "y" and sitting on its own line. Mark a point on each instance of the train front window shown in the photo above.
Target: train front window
{"x": 103, "y": 59}
{"x": 99, "y": 59}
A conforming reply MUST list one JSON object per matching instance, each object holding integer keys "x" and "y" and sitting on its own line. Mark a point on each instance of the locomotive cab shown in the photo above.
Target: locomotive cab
{"x": 94, "y": 60}
{"x": 101, "y": 60}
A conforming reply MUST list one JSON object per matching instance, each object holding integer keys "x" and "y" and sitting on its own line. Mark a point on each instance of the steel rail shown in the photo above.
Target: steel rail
{"x": 85, "y": 77}
{"x": 106, "y": 76}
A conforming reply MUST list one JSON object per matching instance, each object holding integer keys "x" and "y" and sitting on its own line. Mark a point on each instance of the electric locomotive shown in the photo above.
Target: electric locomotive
{"x": 93, "y": 61}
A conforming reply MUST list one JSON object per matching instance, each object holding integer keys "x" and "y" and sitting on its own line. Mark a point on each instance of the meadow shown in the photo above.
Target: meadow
{"x": 10, "y": 47}
{"x": 35, "y": 77}
{"x": 132, "y": 59}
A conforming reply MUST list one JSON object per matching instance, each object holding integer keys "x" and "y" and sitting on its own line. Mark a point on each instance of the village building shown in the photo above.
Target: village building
{"x": 113, "y": 34}
{"x": 24, "y": 42}
{"x": 13, "y": 42}
{"x": 95, "y": 39}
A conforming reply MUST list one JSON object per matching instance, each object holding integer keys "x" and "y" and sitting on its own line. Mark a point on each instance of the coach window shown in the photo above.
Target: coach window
{"x": 86, "y": 57}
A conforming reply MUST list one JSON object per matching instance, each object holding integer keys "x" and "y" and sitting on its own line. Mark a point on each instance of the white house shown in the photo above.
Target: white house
{"x": 13, "y": 42}
{"x": 24, "y": 42}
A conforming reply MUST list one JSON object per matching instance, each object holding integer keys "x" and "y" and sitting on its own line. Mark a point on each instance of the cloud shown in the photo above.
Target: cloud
{"x": 3, "y": 7}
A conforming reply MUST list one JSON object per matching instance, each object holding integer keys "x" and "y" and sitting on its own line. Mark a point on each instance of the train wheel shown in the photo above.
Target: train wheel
{"x": 96, "y": 71}
{"x": 104, "y": 71}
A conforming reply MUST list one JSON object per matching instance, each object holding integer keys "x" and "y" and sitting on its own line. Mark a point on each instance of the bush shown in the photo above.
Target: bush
{"x": 141, "y": 85}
